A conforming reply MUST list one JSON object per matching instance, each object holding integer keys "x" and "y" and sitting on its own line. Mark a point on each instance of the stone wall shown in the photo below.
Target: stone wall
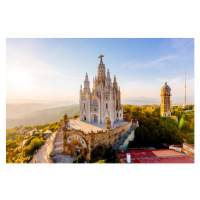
{"x": 76, "y": 142}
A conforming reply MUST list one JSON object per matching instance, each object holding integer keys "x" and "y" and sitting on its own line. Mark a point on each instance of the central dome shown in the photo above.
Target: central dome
{"x": 165, "y": 86}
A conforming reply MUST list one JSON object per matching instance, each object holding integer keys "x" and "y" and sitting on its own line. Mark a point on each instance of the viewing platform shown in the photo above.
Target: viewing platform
{"x": 93, "y": 126}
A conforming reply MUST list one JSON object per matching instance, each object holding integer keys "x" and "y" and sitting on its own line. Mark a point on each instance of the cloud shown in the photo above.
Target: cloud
{"x": 151, "y": 63}
{"x": 182, "y": 42}
{"x": 174, "y": 80}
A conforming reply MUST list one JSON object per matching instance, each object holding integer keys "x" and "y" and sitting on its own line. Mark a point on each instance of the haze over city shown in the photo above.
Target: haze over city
{"x": 52, "y": 70}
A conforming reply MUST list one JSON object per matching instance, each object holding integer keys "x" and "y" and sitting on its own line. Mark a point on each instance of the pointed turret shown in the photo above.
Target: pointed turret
{"x": 86, "y": 77}
{"x": 86, "y": 84}
{"x": 108, "y": 74}
{"x": 108, "y": 81}
{"x": 114, "y": 83}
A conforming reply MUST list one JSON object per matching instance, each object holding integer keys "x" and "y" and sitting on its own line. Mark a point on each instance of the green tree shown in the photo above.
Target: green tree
{"x": 79, "y": 159}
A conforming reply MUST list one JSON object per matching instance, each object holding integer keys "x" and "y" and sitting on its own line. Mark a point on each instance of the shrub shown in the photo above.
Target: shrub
{"x": 79, "y": 159}
{"x": 101, "y": 161}
{"x": 28, "y": 141}
{"x": 74, "y": 161}
{"x": 34, "y": 145}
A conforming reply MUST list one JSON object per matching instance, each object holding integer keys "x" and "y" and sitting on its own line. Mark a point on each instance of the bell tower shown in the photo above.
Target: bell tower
{"x": 165, "y": 101}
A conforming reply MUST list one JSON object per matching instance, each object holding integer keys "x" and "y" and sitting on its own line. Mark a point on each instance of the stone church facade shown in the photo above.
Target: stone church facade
{"x": 103, "y": 101}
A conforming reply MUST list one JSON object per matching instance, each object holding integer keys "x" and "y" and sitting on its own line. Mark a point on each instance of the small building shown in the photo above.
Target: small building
{"x": 47, "y": 133}
{"x": 189, "y": 147}
{"x": 21, "y": 131}
{"x": 27, "y": 134}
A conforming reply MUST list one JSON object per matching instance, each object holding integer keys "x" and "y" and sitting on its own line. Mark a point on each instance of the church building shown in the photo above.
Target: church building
{"x": 103, "y": 100}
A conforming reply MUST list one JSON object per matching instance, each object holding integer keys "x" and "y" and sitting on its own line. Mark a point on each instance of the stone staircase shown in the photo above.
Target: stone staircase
{"x": 121, "y": 141}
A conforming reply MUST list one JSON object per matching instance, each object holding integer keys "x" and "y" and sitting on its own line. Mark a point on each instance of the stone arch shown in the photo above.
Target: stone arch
{"x": 76, "y": 145}
{"x": 84, "y": 118}
{"x": 100, "y": 146}
{"x": 94, "y": 118}
{"x": 98, "y": 150}
{"x": 117, "y": 116}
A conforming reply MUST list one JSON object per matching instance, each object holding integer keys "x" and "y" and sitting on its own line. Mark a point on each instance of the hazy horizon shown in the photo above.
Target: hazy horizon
{"x": 137, "y": 101}
{"x": 52, "y": 70}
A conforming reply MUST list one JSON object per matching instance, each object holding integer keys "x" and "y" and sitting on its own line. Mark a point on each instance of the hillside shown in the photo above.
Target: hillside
{"x": 42, "y": 116}
{"x": 20, "y": 109}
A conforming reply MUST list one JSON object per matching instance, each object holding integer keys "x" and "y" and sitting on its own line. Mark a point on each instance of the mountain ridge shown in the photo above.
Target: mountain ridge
{"x": 43, "y": 116}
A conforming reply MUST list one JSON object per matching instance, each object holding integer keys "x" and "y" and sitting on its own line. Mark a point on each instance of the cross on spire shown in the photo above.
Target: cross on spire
{"x": 101, "y": 58}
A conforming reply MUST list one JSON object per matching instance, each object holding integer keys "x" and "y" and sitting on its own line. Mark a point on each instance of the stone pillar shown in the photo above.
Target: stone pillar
{"x": 89, "y": 155}
{"x": 84, "y": 152}
{"x": 108, "y": 124}
{"x": 65, "y": 119}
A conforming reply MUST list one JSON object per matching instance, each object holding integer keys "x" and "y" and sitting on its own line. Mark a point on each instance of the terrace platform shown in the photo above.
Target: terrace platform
{"x": 93, "y": 126}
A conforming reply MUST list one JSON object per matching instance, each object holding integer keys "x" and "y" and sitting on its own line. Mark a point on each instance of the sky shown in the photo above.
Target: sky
{"x": 48, "y": 70}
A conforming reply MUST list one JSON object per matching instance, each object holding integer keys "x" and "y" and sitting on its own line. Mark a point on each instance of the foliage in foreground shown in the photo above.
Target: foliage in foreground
{"x": 16, "y": 152}
{"x": 160, "y": 133}
{"x": 108, "y": 156}
{"x": 79, "y": 159}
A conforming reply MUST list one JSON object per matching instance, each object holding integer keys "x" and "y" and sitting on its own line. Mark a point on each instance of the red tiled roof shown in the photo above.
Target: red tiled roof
{"x": 137, "y": 154}
{"x": 181, "y": 159}
{"x": 167, "y": 153}
{"x": 156, "y": 156}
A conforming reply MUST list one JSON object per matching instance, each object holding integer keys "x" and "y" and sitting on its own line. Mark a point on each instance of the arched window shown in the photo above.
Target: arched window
{"x": 106, "y": 106}
{"x": 84, "y": 105}
{"x": 117, "y": 115}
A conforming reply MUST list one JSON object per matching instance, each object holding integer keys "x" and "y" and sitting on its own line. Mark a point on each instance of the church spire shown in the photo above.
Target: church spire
{"x": 86, "y": 77}
{"x": 108, "y": 74}
{"x": 101, "y": 71}
{"x": 114, "y": 82}
{"x": 86, "y": 84}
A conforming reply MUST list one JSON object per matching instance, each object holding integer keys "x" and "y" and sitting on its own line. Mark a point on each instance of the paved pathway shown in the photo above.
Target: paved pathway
{"x": 58, "y": 144}
{"x": 59, "y": 158}
{"x": 43, "y": 154}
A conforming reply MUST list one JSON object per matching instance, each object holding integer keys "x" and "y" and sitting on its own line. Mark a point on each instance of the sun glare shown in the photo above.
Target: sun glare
{"x": 19, "y": 79}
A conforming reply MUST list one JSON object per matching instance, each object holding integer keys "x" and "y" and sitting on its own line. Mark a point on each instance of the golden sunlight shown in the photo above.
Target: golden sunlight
{"x": 19, "y": 79}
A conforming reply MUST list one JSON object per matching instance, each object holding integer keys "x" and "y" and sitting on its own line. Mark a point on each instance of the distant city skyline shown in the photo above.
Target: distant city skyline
{"x": 52, "y": 70}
